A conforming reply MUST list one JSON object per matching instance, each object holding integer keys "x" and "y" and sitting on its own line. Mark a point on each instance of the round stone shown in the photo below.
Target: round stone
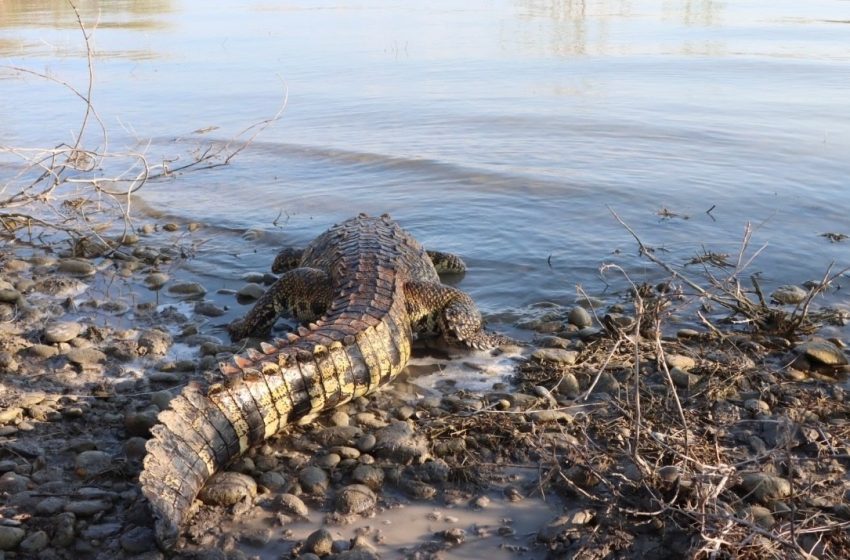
{"x": 76, "y": 267}
{"x": 155, "y": 280}
{"x": 319, "y": 543}
{"x": 62, "y": 331}
{"x": 10, "y": 537}
{"x": 355, "y": 498}
{"x": 789, "y": 295}
{"x": 579, "y": 317}
{"x": 821, "y": 351}
{"x": 765, "y": 488}
{"x": 680, "y": 361}
{"x": 368, "y": 475}
{"x": 556, "y": 355}
{"x": 313, "y": 480}
{"x": 186, "y": 289}
{"x": 9, "y": 295}
{"x": 251, "y": 291}
{"x": 228, "y": 488}
{"x": 292, "y": 504}
{"x": 34, "y": 542}
{"x": 85, "y": 356}
{"x": 91, "y": 463}
{"x": 137, "y": 539}
{"x": 12, "y": 483}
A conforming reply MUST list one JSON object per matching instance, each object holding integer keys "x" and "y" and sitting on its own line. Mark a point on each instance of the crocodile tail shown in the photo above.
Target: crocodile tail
{"x": 192, "y": 441}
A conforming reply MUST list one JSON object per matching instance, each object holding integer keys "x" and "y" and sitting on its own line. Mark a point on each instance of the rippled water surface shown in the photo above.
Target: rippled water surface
{"x": 501, "y": 130}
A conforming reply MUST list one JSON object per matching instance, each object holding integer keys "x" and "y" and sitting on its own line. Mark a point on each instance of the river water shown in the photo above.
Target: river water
{"x": 505, "y": 131}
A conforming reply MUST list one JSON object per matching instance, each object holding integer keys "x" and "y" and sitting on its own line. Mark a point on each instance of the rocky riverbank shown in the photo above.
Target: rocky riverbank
{"x": 697, "y": 442}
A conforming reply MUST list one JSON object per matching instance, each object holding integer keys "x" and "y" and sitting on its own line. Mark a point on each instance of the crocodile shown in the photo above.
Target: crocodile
{"x": 364, "y": 286}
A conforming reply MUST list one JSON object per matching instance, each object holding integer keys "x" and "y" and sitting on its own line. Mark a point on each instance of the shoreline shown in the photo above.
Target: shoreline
{"x": 725, "y": 440}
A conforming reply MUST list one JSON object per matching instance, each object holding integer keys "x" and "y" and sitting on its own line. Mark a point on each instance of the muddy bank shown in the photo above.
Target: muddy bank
{"x": 619, "y": 432}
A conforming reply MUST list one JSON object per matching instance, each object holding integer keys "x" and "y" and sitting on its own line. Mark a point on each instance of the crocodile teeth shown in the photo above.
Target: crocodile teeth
{"x": 320, "y": 349}
{"x": 268, "y": 348}
{"x": 302, "y": 331}
{"x": 292, "y": 337}
{"x": 313, "y": 326}
{"x": 242, "y": 362}
{"x": 253, "y": 354}
{"x": 228, "y": 369}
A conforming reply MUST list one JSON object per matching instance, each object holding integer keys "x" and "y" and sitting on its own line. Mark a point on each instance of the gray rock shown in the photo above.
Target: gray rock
{"x": 63, "y": 529}
{"x": 86, "y": 508}
{"x": 789, "y": 294}
{"x": 319, "y": 542}
{"x": 139, "y": 423}
{"x": 9, "y": 295}
{"x": 684, "y": 379}
{"x": 368, "y": 475}
{"x": 101, "y": 531}
{"x": 8, "y": 363}
{"x": 187, "y": 289}
{"x": 580, "y": 317}
{"x": 569, "y": 386}
{"x": 251, "y": 291}
{"x": 356, "y": 498}
{"x": 154, "y": 342}
{"x": 43, "y": 351}
{"x": 76, "y": 267}
{"x": 366, "y": 443}
{"x": 819, "y": 351}
{"x": 12, "y": 483}
{"x": 11, "y": 537}
{"x": 85, "y": 356}
{"x": 50, "y": 505}
{"x": 273, "y": 480}
{"x": 155, "y": 280}
{"x": 328, "y": 461}
{"x": 760, "y": 515}
{"x": 551, "y": 416}
{"x": 765, "y": 488}
{"x": 228, "y": 488}
{"x": 35, "y": 542}
{"x": 563, "y": 526}
{"x": 137, "y": 539}
{"x": 61, "y": 331}
{"x": 291, "y": 504}
{"x": 680, "y": 361}
{"x": 208, "y": 309}
{"x": 337, "y": 435}
{"x": 92, "y": 463}
{"x": 313, "y": 480}
{"x": 399, "y": 443}
{"x": 556, "y": 355}
{"x": 339, "y": 418}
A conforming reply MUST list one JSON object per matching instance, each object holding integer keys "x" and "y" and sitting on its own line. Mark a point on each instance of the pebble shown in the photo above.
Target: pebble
{"x": 154, "y": 342}
{"x": 76, "y": 267}
{"x": 92, "y": 463}
{"x": 9, "y": 295}
{"x": 313, "y": 480}
{"x": 765, "y": 488}
{"x": 228, "y": 488}
{"x": 155, "y": 280}
{"x": 187, "y": 289}
{"x": 687, "y": 333}
{"x": 63, "y": 529}
{"x": 273, "y": 480}
{"x": 579, "y": 317}
{"x": 35, "y": 542}
{"x": 365, "y": 443}
{"x": 12, "y": 483}
{"x": 50, "y": 505}
{"x": 170, "y": 226}
{"x": 789, "y": 294}
{"x": 250, "y": 291}
{"x": 319, "y": 542}
{"x": 550, "y": 416}
{"x": 85, "y": 356}
{"x": 819, "y": 351}
{"x": 140, "y": 423}
{"x": 399, "y": 443}
{"x": 683, "y": 379}
{"x": 43, "y": 351}
{"x": 253, "y": 277}
{"x": 556, "y": 355}
{"x": 339, "y": 418}
{"x": 101, "y": 531}
{"x": 356, "y": 498}
{"x": 569, "y": 386}
{"x": 368, "y": 475}
{"x": 328, "y": 461}
{"x": 292, "y": 504}
{"x": 62, "y": 331}
{"x": 757, "y": 406}
{"x": 137, "y": 539}
{"x": 480, "y": 502}
{"x": 680, "y": 361}
{"x": 10, "y": 537}
{"x": 760, "y": 515}
{"x": 87, "y": 508}
{"x": 209, "y": 309}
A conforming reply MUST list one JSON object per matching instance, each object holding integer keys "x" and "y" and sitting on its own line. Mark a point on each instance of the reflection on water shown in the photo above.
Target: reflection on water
{"x": 581, "y": 27}
{"x": 135, "y": 14}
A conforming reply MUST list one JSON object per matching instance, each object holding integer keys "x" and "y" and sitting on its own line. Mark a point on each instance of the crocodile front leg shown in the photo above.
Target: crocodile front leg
{"x": 446, "y": 263}
{"x": 303, "y": 293}
{"x": 439, "y": 309}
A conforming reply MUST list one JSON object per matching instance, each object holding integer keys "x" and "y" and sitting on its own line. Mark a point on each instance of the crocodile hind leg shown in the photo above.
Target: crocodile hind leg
{"x": 286, "y": 260}
{"x": 446, "y": 263}
{"x": 303, "y": 293}
{"x": 439, "y": 309}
